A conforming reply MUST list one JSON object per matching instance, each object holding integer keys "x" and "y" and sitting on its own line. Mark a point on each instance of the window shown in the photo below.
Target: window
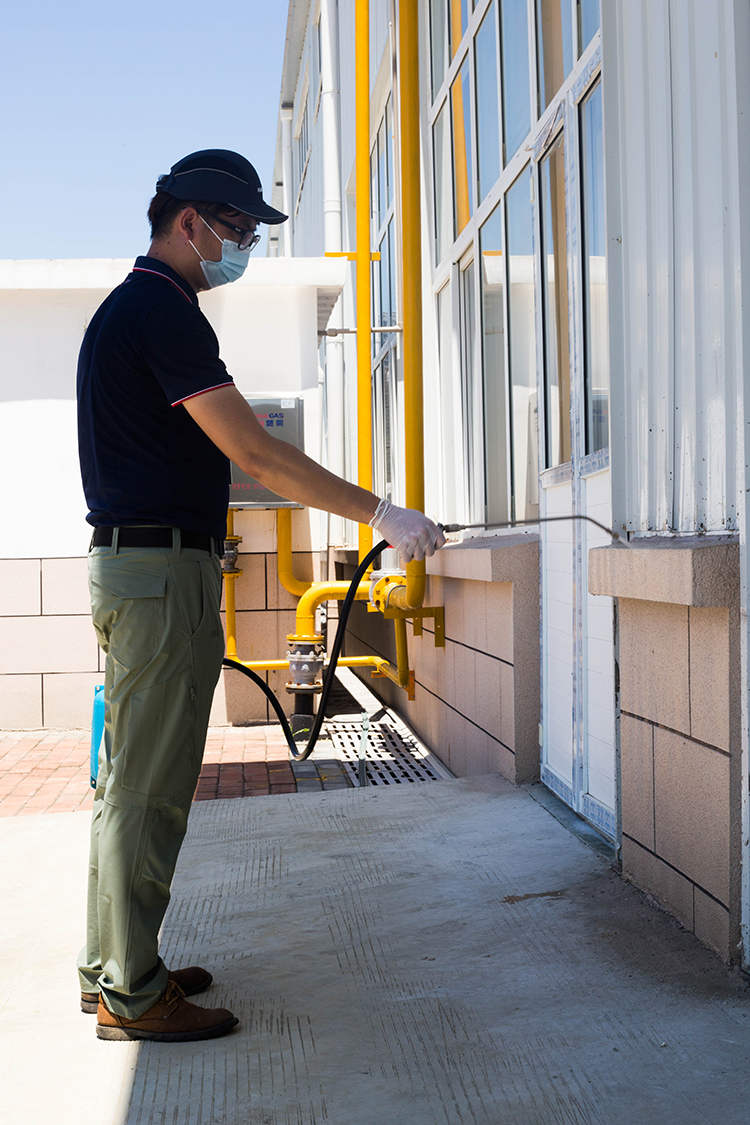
{"x": 459, "y": 21}
{"x": 438, "y": 44}
{"x": 384, "y": 308}
{"x": 463, "y": 175}
{"x": 488, "y": 102}
{"x": 470, "y": 400}
{"x": 516, "y": 93}
{"x": 522, "y": 346}
{"x": 501, "y": 267}
{"x": 448, "y": 407}
{"x": 589, "y": 20}
{"x": 303, "y": 143}
{"x": 383, "y": 425}
{"x": 494, "y": 381}
{"x": 554, "y": 47}
{"x": 443, "y": 184}
{"x": 554, "y": 271}
{"x": 596, "y": 362}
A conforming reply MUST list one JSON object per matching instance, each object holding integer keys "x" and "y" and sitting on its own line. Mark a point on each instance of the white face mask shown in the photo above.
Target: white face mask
{"x": 230, "y": 266}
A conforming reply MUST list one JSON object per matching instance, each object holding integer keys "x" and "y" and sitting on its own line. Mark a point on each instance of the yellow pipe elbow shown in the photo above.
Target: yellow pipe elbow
{"x": 284, "y": 557}
{"x": 316, "y": 595}
{"x": 411, "y": 594}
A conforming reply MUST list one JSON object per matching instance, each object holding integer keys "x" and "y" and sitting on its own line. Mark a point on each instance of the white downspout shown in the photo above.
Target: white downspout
{"x": 286, "y": 175}
{"x": 329, "y": 115}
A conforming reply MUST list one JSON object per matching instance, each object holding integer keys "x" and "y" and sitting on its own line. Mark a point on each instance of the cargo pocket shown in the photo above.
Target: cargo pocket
{"x": 159, "y": 758}
{"x": 127, "y": 608}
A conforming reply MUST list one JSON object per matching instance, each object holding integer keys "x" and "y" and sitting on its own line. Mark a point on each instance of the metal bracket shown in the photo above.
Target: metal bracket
{"x": 437, "y": 612}
{"x": 410, "y": 687}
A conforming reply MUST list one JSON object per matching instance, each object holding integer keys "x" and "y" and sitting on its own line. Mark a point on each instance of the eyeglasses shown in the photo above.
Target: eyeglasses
{"x": 248, "y": 238}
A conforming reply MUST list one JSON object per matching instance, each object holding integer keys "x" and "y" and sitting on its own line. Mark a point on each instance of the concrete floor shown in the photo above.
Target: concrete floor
{"x": 443, "y": 953}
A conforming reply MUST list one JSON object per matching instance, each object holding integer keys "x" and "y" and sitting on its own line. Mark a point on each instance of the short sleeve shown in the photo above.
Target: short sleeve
{"x": 180, "y": 347}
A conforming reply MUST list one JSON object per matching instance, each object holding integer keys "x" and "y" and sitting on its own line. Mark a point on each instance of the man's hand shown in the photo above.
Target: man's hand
{"x": 416, "y": 536}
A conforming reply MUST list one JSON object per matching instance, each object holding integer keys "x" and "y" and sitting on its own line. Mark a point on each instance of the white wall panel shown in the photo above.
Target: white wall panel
{"x": 599, "y": 701}
{"x": 558, "y": 629}
{"x": 670, "y": 130}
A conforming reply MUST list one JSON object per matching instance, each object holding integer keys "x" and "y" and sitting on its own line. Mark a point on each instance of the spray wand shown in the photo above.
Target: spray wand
{"x": 450, "y": 528}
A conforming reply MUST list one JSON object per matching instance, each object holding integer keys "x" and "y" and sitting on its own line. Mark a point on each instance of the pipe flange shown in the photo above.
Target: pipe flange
{"x": 381, "y": 590}
{"x": 305, "y": 656}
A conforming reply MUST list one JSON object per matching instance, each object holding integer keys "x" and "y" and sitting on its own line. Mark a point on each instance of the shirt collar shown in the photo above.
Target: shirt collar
{"x": 154, "y": 266}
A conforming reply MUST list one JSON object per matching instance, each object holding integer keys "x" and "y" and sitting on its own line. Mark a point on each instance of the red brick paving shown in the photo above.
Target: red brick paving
{"x": 48, "y": 771}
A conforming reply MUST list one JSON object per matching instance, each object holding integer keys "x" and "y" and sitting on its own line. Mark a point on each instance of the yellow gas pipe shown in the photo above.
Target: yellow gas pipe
{"x": 411, "y": 595}
{"x": 363, "y": 205}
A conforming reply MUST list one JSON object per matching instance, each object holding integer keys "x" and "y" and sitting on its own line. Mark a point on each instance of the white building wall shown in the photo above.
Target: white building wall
{"x": 671, "y": 123}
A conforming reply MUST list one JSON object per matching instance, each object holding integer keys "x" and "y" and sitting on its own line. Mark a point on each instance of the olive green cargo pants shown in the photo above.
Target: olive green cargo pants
{"x": 156, "y": 615}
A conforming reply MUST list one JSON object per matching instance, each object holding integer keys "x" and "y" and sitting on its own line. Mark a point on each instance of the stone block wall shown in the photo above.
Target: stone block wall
{"x": 477, "y": 699}
{"x": 50, "y": 661}
{"x": 680, "y": 732}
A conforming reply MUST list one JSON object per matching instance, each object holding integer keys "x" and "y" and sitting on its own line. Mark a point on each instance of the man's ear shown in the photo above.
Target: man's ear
{"x": 186, "y": 222}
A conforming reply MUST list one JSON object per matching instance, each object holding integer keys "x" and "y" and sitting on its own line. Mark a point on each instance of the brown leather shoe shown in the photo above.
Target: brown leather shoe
{"x": 172, "y": 1019}
{"x": 192, "y": 981}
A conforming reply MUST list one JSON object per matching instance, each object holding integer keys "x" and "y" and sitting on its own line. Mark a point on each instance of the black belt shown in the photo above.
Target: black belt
{"x": 154, "y": 537}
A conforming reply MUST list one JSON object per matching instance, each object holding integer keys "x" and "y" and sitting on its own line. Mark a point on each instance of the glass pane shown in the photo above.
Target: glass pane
{"x": 447, "y": 409}
{"x": 459, "y": 21}
{"x": 382, "y": 412}
{"x": 493, "y": 369}
{"x": 488, "y": 121}
{"x": 516, "y": 96}
{"x": 374, "y": 190}
{"x": 554, "y": 45}
{"x": 555, "y": 291}
{"x": 389, "y": 148}
{"x": 589, "y": 19}
{"x": 392, "y": 272}
{"x": 462, "y": 171}
{"x": 385, "y": 288}
{"x": 522, "y": 349}
{"x": 443, "y": 184}
{"x": 382, "y": 175}
{"x": 594, "y": 274}
{"x": 468, "y": 396}
{"x": 438, "y": 43}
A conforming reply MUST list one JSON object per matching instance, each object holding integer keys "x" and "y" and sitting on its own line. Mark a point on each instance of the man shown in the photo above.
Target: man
{"x": 159, "y": 420}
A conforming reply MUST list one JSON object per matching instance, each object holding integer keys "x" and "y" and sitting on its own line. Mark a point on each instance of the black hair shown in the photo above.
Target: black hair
{"x": 164, "y": 209}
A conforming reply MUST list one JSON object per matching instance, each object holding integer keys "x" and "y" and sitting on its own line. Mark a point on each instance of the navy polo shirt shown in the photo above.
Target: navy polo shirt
{"x": 144, "y": 460}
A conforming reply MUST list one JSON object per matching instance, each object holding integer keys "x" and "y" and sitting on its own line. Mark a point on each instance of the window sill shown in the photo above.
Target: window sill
{"x": 496, "y": 558}
{"x": 697, "y": 571}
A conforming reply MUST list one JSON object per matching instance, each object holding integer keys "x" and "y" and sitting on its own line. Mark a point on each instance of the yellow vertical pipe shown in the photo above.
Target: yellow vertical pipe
{"x": 284, "y": 556}
{"x": 363, "y": 220}
{"x": 411, "y": 226}
{"x": 229, "y": 589}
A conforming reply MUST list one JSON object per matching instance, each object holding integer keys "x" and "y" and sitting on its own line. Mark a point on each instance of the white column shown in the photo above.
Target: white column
{"x": 329, "y": 113}
{"x": 286, "y": 166}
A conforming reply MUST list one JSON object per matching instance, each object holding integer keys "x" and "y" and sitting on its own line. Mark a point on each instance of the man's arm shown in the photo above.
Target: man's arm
{"x": 230, "y": 422}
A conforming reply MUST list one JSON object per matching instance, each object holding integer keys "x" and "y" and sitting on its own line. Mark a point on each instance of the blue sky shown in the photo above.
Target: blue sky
{"x": 98, "y": 99}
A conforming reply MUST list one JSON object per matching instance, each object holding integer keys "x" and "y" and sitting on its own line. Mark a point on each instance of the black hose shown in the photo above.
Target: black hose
{"x": 346, "y": 605}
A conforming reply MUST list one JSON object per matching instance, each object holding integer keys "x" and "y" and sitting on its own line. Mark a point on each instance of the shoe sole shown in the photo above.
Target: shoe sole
{"x": 125, "y": 1034}
{"x": 91, "y": 1007}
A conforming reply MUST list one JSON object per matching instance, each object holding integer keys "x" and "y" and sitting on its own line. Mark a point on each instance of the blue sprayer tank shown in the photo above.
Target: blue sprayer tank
{"x": 97, "y": 731}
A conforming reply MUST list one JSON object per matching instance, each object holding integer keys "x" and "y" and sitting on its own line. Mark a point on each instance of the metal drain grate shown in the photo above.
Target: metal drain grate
{"x": 393, "y": 756}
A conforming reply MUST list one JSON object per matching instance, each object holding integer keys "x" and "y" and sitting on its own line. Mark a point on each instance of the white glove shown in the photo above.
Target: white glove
{"x": 412, "y": 532}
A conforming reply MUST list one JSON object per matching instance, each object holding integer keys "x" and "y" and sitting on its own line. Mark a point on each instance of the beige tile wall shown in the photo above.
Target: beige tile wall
{"x": 678, "y": 739}
{"x": 50, "y": 660}
{"x": 49, "y": 657}
{"x": 476, "y": 703}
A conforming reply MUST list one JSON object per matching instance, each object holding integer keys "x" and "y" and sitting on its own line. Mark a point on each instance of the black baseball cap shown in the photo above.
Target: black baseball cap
{"x": 218, "y": 175}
